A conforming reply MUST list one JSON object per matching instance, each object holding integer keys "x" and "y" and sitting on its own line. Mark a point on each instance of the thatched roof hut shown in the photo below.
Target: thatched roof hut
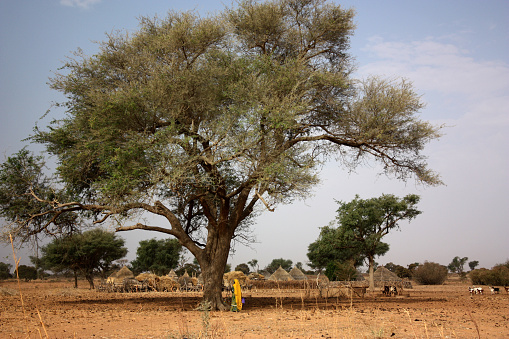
{"x": 382, "y": 274}
{"x": 173, "y": 275}
{"x": 280, "y": 275}
{"x": 120, "y": 275}
{"x": 297, "y": 274}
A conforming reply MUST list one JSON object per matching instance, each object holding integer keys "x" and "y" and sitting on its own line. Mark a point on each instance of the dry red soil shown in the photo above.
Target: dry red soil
{"x": 53, "y": 309}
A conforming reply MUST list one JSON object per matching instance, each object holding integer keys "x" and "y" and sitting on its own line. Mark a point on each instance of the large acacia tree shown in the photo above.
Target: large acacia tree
{"x": 207, "y": 120}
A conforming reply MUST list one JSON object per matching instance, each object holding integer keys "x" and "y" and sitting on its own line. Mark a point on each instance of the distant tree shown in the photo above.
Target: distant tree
{"x": 399, "y": 270}
{"x": 457, "y": 264}
{"x": 473, "y": 264}
{"x": 253, "y": 264}
{"x": 286, "y": 264}
{"x": 430, "y": 273}
{"x": 244, "y": 268}
{"x": 157, "y": 256}
{"x": 5, "y": 271}
{"x": 498, "y": 275}
{"x": 27, "y": 272}
{"x": 89, "y": 253}
{"x": 364, "y": 222}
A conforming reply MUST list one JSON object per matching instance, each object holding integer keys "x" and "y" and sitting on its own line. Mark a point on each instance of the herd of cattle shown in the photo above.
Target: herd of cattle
{"x": 480, "y": 290}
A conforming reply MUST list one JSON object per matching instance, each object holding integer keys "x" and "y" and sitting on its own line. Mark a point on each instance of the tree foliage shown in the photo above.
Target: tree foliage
{"x": 89, "y": 253}
{"x": 244, "y": 268}
{"x": 362, "y": 223}
{"x": 430, "y": 273}
{"x": 5, "y": 271}
{"x": 285, "y": 264}
{"x": 26, "y": 272}
{"x": 400, "y": 271}
{"x": 205, "y": 121}
{"x": 498, "y": 275}
{"x": 473, "y": 264}
{"x": 457, "y": 264}
{"x": 157, "y": 256}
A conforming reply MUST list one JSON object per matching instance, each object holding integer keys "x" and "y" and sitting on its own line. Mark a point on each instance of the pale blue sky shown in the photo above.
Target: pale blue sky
{"x": 455, "y": 52}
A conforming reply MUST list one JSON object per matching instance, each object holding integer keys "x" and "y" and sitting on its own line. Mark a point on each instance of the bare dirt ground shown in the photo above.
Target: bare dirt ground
{"x": 53, "y": 309}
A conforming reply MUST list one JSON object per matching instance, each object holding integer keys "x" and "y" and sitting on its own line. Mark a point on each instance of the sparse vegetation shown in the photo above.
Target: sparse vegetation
{"x": 430, "y": 273}
{"x": 497, "y": 276}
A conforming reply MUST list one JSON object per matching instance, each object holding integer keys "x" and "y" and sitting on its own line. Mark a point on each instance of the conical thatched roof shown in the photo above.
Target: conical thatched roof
{"x": 297, "y": 274}
{"x": 172, "y": 274}
{"x": 281, "y": 275}
{"x": 383, "y": 274}
{"x": 124, "y": 272}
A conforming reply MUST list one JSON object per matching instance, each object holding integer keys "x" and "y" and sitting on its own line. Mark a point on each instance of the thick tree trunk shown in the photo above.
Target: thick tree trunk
{"x": 372, "y": 274}
{"x": 212, "y": 265}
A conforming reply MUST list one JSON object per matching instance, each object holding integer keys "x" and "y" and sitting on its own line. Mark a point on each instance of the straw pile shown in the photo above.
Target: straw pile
{"x": 167, "y": 284}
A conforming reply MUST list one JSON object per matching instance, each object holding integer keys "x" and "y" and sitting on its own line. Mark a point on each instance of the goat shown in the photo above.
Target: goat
{"x": 494, "y": 290}
{"x": 386, "y": 290}
{"x": 393, "y": 290}
{"x": 475, "y": 290}
{"x": 506, "y": 289}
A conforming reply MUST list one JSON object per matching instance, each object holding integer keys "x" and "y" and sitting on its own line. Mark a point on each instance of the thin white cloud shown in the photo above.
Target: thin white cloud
{"x": 85, "y": 4}
{"x": 438, "y": 66}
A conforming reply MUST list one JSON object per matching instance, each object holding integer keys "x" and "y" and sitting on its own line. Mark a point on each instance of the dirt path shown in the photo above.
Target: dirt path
{"x": 446, "y": 311}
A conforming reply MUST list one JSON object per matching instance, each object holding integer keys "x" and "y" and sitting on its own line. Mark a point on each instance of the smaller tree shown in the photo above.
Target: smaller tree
{"x": 286, "y": 264}
{"x": 244, "y": 268}
{"x": 5, "y": 271}
{"x": 157, "y": 256}
{"x": 364, "y": 222}
{"x": 473, "y": 264}
{"x": 253, "y": 264}
{"x": 89, "y": 252}
{"x": 456, "y": 265}
{"x": 399, "y": 270}
{"x": 430, "y": 273}
{"x": 27, "y": 272}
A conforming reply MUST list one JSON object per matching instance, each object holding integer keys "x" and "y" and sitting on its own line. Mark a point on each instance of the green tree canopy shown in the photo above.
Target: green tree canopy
{"x": 244, "y": 268}
{"x": 157, "y": 256}
{"x": 362, "y": 223}
{"x": 27, "y": 273}
{"x": 457, "y": 264}
{"x": 286, "y": 264}
{"x": 88, "y": 252}
{"x": 473, "y": 264}
{"x": 5, "y": 271}
{"x": 205, "y": 121}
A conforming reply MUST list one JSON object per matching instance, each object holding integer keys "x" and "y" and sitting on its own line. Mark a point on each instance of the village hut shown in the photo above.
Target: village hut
{"x": 297, "y": 274}
{"x": 173, "y": 275}
{"x": 120, "y": 275}
{"x": 280, "y": 275}
{"x": 384, "y": 277}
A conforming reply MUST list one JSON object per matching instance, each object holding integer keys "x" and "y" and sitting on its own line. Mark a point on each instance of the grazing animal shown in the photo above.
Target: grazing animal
{"x": 387, "y": 290}
{"x": 494, "y": 290}
{"x": 506, "y": 289}
{"x": 393, "y": 290}
{"x": 475, "y": 290}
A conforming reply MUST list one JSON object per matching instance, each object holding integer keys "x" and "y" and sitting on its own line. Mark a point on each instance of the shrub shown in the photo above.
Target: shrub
{"x": 430, "y": 273}
{"x": 497, "y": 276}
